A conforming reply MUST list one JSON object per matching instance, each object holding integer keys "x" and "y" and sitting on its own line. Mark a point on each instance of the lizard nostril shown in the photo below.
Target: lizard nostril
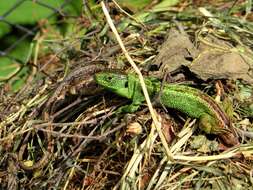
{"x": 126, "y": 85}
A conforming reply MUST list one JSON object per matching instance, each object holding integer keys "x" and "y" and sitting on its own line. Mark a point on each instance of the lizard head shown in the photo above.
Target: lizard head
{"x": 114, "y": 81}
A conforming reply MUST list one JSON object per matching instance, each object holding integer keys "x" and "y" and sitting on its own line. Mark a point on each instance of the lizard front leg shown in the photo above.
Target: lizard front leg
{"x": 135, "y": 93}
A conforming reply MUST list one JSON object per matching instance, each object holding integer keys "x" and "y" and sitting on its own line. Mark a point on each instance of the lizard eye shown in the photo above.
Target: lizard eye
{"x": 126, "y": 84}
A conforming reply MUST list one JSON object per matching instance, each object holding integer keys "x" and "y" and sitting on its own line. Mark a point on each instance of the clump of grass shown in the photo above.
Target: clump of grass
{"x": 78, "y": 142}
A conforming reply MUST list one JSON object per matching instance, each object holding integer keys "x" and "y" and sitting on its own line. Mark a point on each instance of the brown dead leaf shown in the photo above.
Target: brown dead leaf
{"x": 213, "y": 59}
{"x": 176, "y": 51}
{"x": 217, "y": 65}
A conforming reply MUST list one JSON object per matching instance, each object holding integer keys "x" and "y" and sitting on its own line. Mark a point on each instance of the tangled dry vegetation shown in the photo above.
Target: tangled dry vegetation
{"x": 60, "y": 130}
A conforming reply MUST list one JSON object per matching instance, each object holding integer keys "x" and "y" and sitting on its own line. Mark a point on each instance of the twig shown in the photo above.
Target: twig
{"x": 130, "y": 16}
{"x": 97, "y": 137}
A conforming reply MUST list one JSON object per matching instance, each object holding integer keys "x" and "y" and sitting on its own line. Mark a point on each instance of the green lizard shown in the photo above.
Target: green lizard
{"x": 193, "y": 102}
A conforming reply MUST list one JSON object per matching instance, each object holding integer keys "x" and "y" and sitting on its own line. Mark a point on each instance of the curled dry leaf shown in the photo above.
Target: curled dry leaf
{"x": 134, "y": 128}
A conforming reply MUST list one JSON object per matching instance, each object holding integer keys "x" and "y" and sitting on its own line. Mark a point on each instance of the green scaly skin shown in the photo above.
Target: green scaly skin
{"x": 190, "y": 101}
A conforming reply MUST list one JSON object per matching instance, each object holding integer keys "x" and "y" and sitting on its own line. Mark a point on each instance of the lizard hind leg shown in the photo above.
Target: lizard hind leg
{"x": 208, "y": 124}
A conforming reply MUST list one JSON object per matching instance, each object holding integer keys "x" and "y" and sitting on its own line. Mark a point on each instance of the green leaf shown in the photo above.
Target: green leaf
{"x": 74, "y": 7}
{"x": 8, "y": 68}
{"x": 20, "y": 52}
{"x": 19, "y": 80}
{"x": 134, "y": 5}
{"x": 163, "y": 6}
{"x": 30, "y": 12}
{"x": 4, "y": 29}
